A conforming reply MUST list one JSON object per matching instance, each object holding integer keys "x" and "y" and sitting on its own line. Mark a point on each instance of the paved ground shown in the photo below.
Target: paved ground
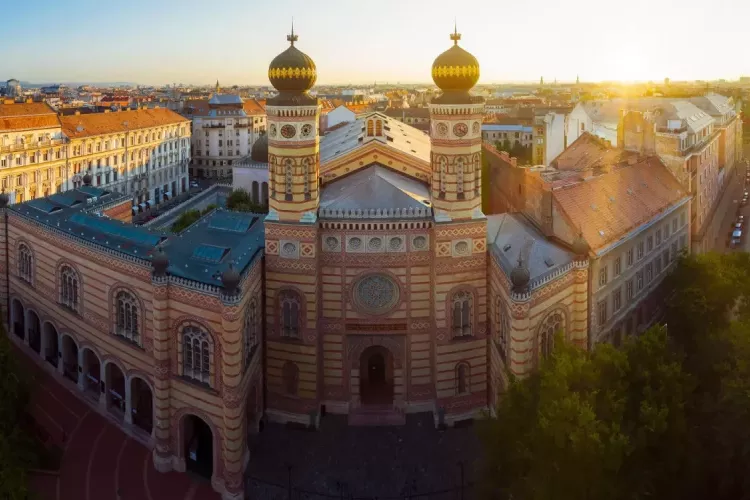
{"x": 98, "y": 457}
{"x": 366, "y": 462}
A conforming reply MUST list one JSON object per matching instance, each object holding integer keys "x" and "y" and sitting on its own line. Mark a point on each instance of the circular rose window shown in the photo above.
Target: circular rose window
{"x": 273, "y": 130}
{"x": 442, "y": 129}
{"x": 288, "y": 131}
{"x": 375, "y": 294}
{"x": 475, "y": 127}
{"x": 306, "y": 130}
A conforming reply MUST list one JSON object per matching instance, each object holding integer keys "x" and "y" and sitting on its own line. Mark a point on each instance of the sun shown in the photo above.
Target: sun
{"x": 627, "y": 65}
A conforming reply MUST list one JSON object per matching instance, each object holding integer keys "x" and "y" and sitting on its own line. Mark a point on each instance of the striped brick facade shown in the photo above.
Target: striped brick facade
{"x": 165, "y": 308}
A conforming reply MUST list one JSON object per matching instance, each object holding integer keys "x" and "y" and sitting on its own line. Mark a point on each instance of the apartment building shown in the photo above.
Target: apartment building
{"x": 627, "y": 210}
{"x": 224, "y": 130}
{"x": 33, "y": 151}
{"x": 685, "y": 139}
{"x": 144, "y": 153}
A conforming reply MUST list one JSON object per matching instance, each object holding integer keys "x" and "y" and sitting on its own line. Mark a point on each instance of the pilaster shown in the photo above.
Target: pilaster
{"x": 162, "y": 450}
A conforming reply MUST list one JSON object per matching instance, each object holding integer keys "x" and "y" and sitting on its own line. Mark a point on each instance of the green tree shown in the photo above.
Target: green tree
{"x": 239, "y": 200}
{"x": 186, "y": 219}
{"x": 590, "y": 425}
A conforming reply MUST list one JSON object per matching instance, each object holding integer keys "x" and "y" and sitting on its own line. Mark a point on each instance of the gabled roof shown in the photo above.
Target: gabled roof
{"x": 223, "y": 99}
{"x": 587, "y": 152}
{"x": 375, "y": 188}
{"x": 607, "y": 207}
{"x": 397, "y": 135}
{"x": 254, "y": 107}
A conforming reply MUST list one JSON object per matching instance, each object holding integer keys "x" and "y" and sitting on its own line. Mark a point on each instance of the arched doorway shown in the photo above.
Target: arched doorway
{"x": 141, "y": 404}
{"x": 70, "y": 358}
{"x": 19, "y": 319}
{"x": 115, "y": 385}
{"x": 376, "y": 376}
{"x": 92, "y": 373}
{"x": 198, "y": 442}
{"x": 34, "y": 329}
{"x": 50, "y": 348}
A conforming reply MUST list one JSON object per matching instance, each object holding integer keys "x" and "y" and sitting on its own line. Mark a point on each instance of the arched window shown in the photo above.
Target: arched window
{"x": 288, "y": 178}
{"x": 462, "y": 309}
{"x": 463, "y": 382}
{"x": 69, "y": 287}
{"x": 502, "y": 321}
{"x": 291, "y": 378}
{"x": 443, "y": 169}
{"x": 379, "y": 128}
{"x": 460, "y": 177}
{"x": 25, "y": 263}
{"x": 290, "y": 320}
{"x": 196, "y": 354}
{"x": 306, "y": 177}
{"x": 551, "y": 325}
{"x": 127, "y": 324}
{"x": 369, "y": 128}
{"x": 251, "y": 330}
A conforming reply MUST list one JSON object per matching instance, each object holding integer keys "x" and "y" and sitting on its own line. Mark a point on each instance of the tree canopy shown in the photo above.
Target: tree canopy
{"x": 240, "y": 201}
{"x": 189, "y": 218}
{"x": 666, "y": 416}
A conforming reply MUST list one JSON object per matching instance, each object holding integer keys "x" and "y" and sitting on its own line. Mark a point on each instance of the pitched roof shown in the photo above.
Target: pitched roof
{"x": 410, "y": 112}
{"x": 26, "y": 116}
{"x": 107, "y": 123}
{"x": 508, "y": 234}
{"x": 374, "y": 188}
{"x": 254, "y": 107}
{"x": 401, "y": 137}
{"x": 587, "y": 152}
{"x": 222, "y": 99}
{"x": 608, "y": 206}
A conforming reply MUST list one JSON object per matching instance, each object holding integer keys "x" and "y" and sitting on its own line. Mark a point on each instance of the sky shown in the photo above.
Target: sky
{"x": 198, "y": 41}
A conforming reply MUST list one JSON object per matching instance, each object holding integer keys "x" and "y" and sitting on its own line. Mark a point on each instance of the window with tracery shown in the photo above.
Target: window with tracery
{"x": 251, "y": 330}
{"x": 288, "y": 177}
{"x": 290, "y": 309}
{"x": 552, "y": 324}
{"x": 379, "y": 128}
{"x": 369, "y": 128}
{"x": 462, "y": 378}
{"x": 196, "y": 354}
{"x": 69, "y": 288}
{"x": 25, "y": 263}
{"x": 127, "y": 323}
{"x": 462, "y": 309}
{"x": 443, "y": 169}
{"x": 306, "y": 177}
{"x": 460, "y": 177}
{"x": 291, "y": 378}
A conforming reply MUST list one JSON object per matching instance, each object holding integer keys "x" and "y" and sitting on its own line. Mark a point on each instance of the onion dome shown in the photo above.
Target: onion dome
{"x": 455, "y": 70}
{"x": 520, "y": 277}
{"x": 230, "y": 279}
{"x": 159, "y": 262}
{"x": 259, "y": 152}
{"x": 580, "y": 246}
{"x": 87, "y": 179}
{"x": 292, "y": 71}
{"x": 4, "y": 199}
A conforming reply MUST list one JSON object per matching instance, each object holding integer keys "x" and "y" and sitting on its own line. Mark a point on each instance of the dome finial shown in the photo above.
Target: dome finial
{"x": 455, "y": 36}
{"x": 292, "y": 37}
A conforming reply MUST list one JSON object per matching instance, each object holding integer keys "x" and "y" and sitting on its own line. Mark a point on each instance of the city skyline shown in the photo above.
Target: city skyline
{"x": 198, "y": 46}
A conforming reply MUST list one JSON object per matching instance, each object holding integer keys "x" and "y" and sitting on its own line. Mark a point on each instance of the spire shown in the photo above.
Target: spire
{"x": 292, "y": 37}
{"x": 456, "y": 36}
{"x": 217, "y": 86}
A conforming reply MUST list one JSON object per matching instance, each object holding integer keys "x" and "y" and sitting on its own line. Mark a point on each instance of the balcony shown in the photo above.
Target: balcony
{"x": 31, "y": 146}
{"x": 214, "y": 125}
{"x": 671, "y": 131}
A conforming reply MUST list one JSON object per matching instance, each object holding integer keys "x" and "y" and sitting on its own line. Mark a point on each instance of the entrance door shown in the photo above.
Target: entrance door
{"x": 376, "y": 382}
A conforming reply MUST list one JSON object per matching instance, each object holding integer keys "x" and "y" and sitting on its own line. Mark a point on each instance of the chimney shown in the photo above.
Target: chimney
{"x": 514, "y": 161}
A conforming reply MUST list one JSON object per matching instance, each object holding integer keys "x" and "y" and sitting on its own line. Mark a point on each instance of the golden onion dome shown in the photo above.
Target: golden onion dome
{"x": 292, "y": 70}
{"x": 455, "y": 70}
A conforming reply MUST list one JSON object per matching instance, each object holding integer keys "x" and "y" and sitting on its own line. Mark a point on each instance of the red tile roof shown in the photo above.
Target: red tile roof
{"x": 26, "y": 116}
{"x": 107, "y": 123}
{"x": 253, "y": 107}
{"x": 608, "y": 206}
{"x": 587, "y": 152}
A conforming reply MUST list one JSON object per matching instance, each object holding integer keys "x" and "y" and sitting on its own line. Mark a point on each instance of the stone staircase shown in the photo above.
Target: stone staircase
{"x": 376, "y": 416}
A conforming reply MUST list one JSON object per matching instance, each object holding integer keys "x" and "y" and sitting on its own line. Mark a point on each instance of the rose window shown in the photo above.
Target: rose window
{"x": 288, "y": 131}
{"x": 376, "y": 294}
